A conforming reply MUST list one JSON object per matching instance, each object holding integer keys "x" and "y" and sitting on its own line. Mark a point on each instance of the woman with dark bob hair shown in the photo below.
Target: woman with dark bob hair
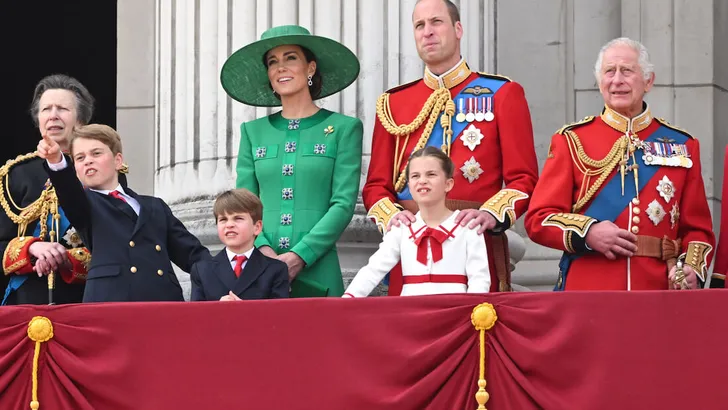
{"x": 303, "y": 161}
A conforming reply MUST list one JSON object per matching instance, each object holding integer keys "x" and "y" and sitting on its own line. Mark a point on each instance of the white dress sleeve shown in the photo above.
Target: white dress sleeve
{"x": 476, "y": 262}
{"x": 380, "y": 263}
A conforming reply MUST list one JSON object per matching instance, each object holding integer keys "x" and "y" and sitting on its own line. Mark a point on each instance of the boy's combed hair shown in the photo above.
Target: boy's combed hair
{"x": 445, "y": 162}
{"x": 98, "y": 132}
{"x": 238, "y": 201}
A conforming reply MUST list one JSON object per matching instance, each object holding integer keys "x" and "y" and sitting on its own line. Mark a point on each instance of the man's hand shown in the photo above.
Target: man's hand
{"x": 230, "y": 297}
{"x": 268, "y": 251}
{"x": 690, "y": 275}
{"x": 610, "y": 240}
{"x": 50, "y": 257}
{"x": 476, "y": 217}
{"x": 294, "y": 262}
{"x": 402, "y": 217}
{"x": 49, "y": 150}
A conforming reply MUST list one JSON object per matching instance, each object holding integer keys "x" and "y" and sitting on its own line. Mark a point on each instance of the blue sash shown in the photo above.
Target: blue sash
{"x": 16, "y": 281}
{"x": 437, "y": 136}
{"x": 610, "y": 202}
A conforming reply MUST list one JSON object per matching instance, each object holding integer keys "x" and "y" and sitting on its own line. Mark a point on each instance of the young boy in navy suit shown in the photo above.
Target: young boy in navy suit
{"x": 132, "y": 238}
{"x": 240, "y": 271}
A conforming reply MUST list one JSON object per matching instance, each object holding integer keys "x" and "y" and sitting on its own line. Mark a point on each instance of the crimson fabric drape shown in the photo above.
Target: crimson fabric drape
{"x": 560, "y": 351}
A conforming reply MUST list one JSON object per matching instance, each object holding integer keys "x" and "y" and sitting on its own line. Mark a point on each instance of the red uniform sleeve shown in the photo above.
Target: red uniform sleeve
{"x": 378, "y": 193}
{"x": 80, "y": 259}
{"x": 696, "y": 225}
{"x": 549, "y": 220}
{"x": 721, "y": 257}
{"x": 520, "y": 166}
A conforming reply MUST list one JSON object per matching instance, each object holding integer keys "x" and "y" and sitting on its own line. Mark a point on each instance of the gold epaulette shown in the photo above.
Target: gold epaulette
{"x": 402, "y": 86}
{"x": 566, "y": 127}
{"x": 668, "y": 125}
{"x": 494, "y": 76}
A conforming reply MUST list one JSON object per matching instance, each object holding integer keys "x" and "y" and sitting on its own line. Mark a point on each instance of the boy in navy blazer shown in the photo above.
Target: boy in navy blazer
{"x": 132, "y": 238}
{"x": 240, "y": 271}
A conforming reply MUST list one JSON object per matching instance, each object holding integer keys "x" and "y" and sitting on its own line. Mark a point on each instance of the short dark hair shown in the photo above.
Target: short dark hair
{"x": 445, "y": 162}
{"x": 452, "y": 10}
{"x": 316, "y": 79}
{"x": 238, "y": 201}
{"x": 99, "y": 132}
{"x": 84, "y": 99}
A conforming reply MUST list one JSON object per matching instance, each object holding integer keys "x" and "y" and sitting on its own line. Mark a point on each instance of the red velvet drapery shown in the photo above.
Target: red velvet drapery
{"x": 561, "y": 351}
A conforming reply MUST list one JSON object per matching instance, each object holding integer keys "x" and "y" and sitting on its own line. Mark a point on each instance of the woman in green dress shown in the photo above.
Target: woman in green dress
{"x": 304, "y": 161}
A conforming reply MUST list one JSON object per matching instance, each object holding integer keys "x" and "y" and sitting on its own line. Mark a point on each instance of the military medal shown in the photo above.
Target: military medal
{"x": 480, "y": 111}
{"x": 470, "y": 116}
{"x": 471, "y": 137}
{"x": 667, "y": 153}
{"x": 461, "y": 110}
{"x": 655, "y": 212}
{"x": 471, "y": 170}
{"x": 489, "y": 116}
{"x": 666, "y": 188}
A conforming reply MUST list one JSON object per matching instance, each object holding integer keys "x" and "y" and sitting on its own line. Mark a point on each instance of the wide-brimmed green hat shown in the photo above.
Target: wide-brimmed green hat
{"x": 245, "y": 77}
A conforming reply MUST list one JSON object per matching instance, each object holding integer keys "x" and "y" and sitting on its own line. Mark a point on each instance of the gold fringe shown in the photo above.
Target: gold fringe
{"x": 483, "y": 319}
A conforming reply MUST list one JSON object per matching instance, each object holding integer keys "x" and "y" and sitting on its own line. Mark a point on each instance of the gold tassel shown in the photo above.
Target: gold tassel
{"x": 483, "y": 318}
{"x": 40, "y": 330}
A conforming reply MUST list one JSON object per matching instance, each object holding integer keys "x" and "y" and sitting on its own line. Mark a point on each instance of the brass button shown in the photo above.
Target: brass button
{"x": 131, "y": 244}
{"x": 133, "y": 269}
{"x": 636, "y": 210}
{"x": 635, "y": 230}
{"x": 636, "y": 201}
{"x": 158, "y": 248}
{"x": 160, "y": 272}
{"x": 636, "y": 219}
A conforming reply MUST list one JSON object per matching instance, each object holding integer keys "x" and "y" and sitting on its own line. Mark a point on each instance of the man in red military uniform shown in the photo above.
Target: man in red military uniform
{"x": 482, "y": 121}
{"x": 721, "y": 258}
{"x": 622, "y": 194}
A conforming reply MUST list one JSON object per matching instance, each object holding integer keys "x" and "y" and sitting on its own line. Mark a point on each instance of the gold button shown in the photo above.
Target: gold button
{"x": 131, "y": 244}
{"x": 160, "y": 272}
{"x": 635, "y": 230}
{"x": 133, "y": 269}
{"x": 636, "y": 210}
{"x": 158, "y": 248}
{"x": 636, "y": 219}
{"x": 636, "y": 201}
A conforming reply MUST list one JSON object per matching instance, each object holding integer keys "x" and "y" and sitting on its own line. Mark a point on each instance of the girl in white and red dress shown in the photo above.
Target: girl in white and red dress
{"x": 437, "y": 255}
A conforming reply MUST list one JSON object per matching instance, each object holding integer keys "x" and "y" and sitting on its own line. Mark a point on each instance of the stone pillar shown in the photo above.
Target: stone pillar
{"x": 135, "y": 96}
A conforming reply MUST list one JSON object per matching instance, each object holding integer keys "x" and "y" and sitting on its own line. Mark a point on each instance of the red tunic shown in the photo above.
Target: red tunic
{"x": 721, "y": 258}
{"x": 502, "y": 167}
{"x": 671, "y": 204}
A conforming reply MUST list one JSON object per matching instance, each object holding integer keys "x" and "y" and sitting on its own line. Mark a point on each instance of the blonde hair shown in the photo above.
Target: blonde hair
{"x": 238, "y": 201}
{"x": 98, "y": 132}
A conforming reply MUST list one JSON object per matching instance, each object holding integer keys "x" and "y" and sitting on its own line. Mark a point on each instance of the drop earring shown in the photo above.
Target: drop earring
{"x": 310, "y": 80}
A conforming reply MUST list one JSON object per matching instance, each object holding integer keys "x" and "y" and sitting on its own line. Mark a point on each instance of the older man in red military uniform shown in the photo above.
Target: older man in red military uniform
{"x": 622, "y": 194}
{"x": 482, "y": 121}
{"x": 721, "y": 259}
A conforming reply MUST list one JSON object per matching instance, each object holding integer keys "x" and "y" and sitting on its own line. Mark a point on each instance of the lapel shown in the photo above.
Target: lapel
{"x": 223, "y": 270}
{"x": 253, "y": 269}
{"x": 121, "y": 206}
{"x": 145, "y": 208}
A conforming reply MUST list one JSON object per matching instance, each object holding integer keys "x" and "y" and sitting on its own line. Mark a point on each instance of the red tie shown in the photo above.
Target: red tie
{"x": 239, "y": 259}
{"x": 435, "y": 238}
{"x": 117, "y": 195}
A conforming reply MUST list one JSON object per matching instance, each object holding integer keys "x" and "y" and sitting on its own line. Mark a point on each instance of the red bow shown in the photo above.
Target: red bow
{"x": 436, "y": 245}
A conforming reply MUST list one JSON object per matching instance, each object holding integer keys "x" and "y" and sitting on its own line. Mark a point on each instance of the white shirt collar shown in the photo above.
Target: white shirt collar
{"x": 231, "y": 254}
{"x": 106, "y": 192}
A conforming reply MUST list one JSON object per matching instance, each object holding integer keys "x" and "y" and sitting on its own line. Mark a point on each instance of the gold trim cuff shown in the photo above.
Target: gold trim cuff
{"x": 697, "y": 258}
{"x": 503, "y": 204}
{"x": 382, "y": 212}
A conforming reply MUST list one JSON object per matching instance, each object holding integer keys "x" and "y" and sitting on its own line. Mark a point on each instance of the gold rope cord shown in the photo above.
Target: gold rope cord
{"x": 483, "y": 319}
{"x": 590, "y": 167}
{"x": 40, "y": 330}
{"x": 438, "y": 102}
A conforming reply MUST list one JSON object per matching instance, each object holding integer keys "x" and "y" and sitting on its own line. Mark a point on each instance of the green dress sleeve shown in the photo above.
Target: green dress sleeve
{"x": 345, "y": 188}
{"x": 246, "y": 174}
